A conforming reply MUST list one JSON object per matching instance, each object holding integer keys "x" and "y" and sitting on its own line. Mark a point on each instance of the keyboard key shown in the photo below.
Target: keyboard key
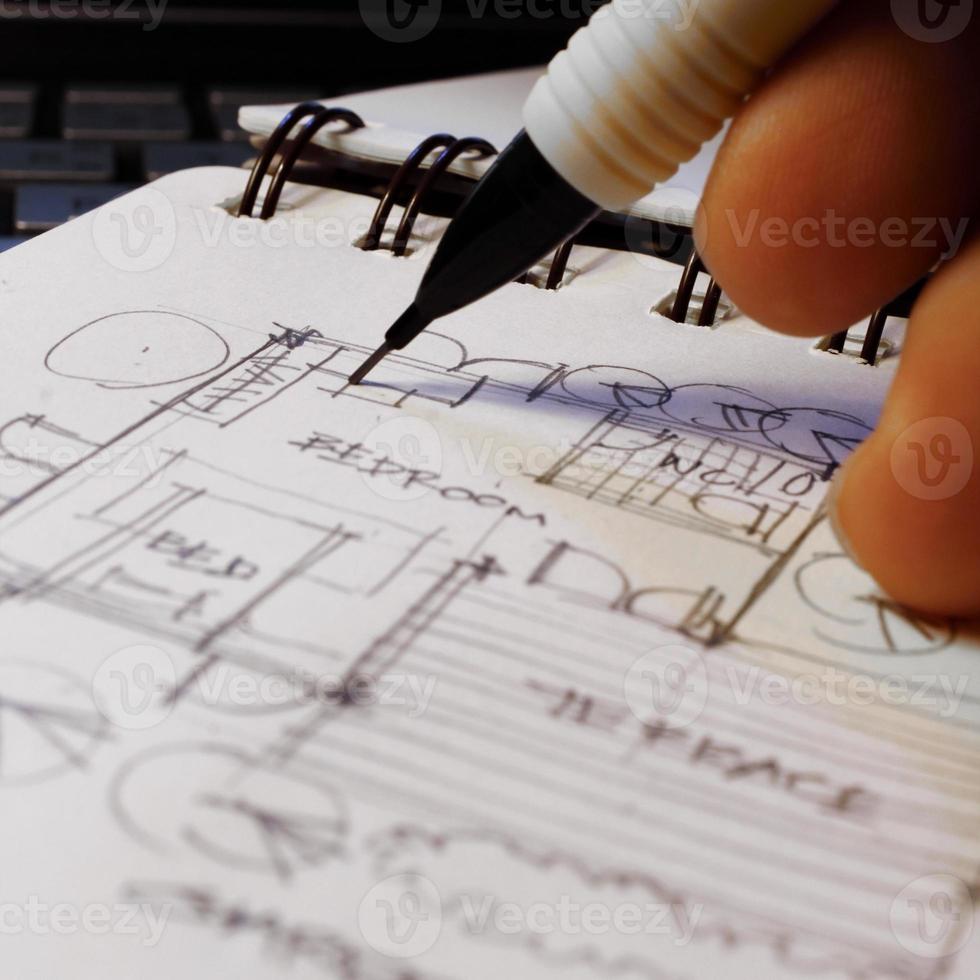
{"x": 40, "y": 207}
{"x": 18, "y": 92}
{"x": 125, "y": 121}
{"x": 257, "y": 96}
{"x": 17, "y": 100}
{"x": 123, "y": 95}
{"x": 55, "y": 160}
{"x": 10, "y": 241}
{"x": 16, "y": 119}
{"x": 226, "y": 123}
{"x": 225, "y": 104}
{"x": 167, "y": 158}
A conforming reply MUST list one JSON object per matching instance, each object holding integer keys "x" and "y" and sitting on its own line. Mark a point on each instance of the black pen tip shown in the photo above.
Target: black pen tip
{"x": 362, "y": 372}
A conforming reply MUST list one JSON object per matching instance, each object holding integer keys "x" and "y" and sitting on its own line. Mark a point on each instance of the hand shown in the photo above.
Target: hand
{"x": 866, "y": 123}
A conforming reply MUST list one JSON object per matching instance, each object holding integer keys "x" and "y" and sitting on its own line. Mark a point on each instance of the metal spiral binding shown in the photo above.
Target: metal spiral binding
{"x": 901, "y": 306}
{"x": 451, "y": 149}
{"x": 319, "y": 117}
{"x": 557, "y": 269}
{"x": 438, "y": 141}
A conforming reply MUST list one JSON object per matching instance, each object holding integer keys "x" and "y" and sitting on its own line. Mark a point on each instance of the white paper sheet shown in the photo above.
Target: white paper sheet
{"x": 532, "y": 658}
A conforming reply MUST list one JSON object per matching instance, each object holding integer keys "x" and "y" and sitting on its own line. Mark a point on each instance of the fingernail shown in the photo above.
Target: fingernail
{"x": 832, "y": 499}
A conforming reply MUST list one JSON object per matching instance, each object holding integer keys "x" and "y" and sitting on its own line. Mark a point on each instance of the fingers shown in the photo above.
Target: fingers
{"x": 908, "y": 504}
{"x": 848, "y": 174}
{"x": 844, "y": 179}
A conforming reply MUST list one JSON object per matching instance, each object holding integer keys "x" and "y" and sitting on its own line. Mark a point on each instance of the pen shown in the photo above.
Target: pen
{"x": 636, "y": 93}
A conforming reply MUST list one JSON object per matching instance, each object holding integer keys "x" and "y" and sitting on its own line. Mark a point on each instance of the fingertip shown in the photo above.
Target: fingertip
{"x": 904, "y": 509}
{"x": 785, "y": 287}
{"x": 825, "y": 201}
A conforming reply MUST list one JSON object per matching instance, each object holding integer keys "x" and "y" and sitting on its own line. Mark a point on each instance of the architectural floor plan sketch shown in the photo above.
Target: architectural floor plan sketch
{"x": 532, "y": 620}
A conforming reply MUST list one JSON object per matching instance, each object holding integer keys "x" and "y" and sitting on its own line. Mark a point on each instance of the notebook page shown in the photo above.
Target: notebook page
{"x": 534, "y": 657}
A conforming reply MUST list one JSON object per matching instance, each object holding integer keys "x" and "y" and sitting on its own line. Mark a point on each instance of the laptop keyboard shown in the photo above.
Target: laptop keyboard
{"x": 65, "y": 152}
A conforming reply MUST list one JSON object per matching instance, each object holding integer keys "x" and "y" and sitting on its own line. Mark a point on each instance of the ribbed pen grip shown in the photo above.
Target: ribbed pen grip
{"x": 647, "y": 82}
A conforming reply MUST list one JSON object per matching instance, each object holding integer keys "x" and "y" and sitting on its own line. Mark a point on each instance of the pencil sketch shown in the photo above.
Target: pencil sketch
{"x": 246, "y": 522}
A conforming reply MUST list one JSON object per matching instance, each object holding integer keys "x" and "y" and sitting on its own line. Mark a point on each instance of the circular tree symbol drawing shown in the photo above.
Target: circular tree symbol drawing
{"x": 48, "y": 723}
{"x": 228, "y": 807}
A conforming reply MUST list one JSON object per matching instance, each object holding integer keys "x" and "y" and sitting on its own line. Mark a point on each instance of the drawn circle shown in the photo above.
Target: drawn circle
{"x": 399, "y": 457}
{"x": 48, "y": 724}
{"x": 401, "y": 916}
{"x": 616, "y": 387}
{"x": 137, "y": 232}
{"x": 138, "y": 349}
{"x": 933, "y": 21}
{"x": 933, "y": 916}
{"x": 815, "y": 435}
{"x": 400, "y": 21}
{"x": 230, "y": 809}
{"x": 133, "y": 688}
{"x": 668, "y": 684}
{"x": 933, "y": 458}
{"x": 855, "y": 617}
{"x": 717, "y": 408}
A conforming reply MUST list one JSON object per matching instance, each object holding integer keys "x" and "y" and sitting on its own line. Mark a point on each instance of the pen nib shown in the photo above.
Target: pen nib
{"x": 376, "y": 358}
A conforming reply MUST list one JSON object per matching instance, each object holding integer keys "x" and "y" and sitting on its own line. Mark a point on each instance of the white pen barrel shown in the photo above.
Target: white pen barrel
{"x": 647, "y": 82}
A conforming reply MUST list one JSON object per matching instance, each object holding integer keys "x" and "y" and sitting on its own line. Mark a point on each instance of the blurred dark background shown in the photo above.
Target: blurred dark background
{"x": 324, "y": 42}
{"x": 101, "y": 95}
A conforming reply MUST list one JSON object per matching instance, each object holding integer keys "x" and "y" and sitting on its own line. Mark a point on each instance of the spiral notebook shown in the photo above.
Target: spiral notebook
{"x": 534, "y": 656}
{"x": 490, "y": 106}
